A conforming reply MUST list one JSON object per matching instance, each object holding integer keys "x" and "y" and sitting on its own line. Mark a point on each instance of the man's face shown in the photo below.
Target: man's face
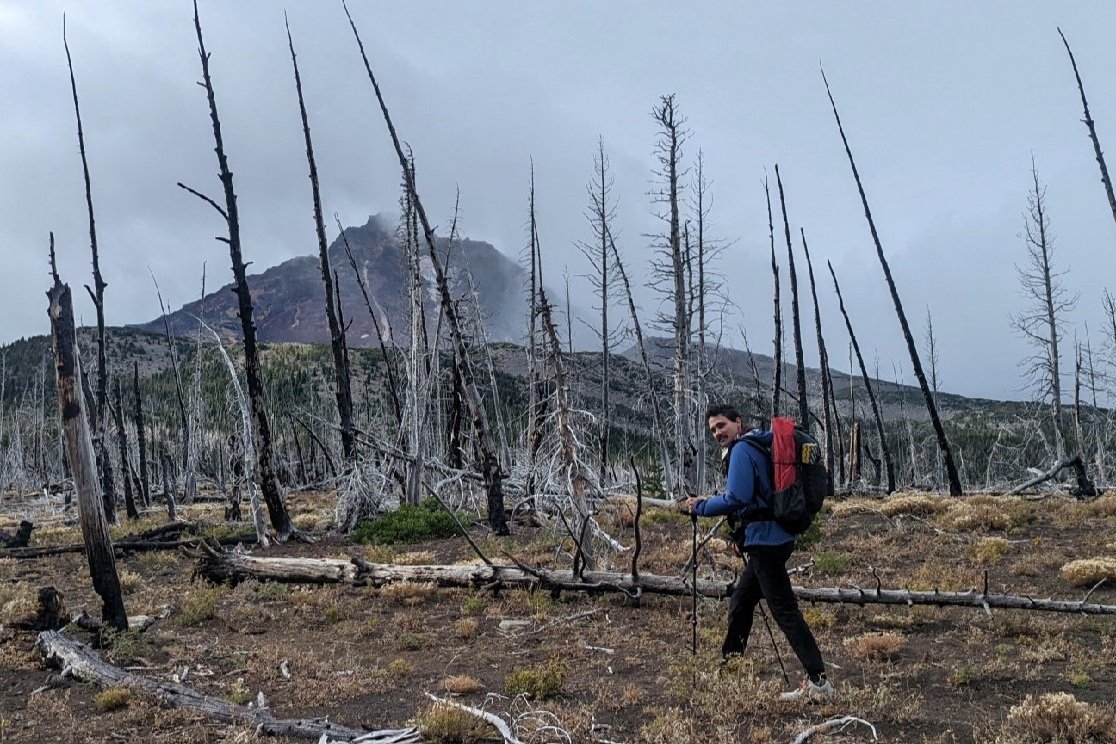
{"x": 725, "y": 430}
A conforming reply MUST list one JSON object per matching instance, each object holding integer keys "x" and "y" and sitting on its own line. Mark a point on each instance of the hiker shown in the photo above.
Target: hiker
{"x": 765, "y": 545}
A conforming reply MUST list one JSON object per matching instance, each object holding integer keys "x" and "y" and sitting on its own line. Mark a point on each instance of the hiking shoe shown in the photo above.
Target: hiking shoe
{"x": 810, "y": 691}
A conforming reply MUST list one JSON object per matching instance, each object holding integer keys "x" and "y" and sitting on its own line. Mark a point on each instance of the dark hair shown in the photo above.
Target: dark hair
{"x": 723, "y": 409}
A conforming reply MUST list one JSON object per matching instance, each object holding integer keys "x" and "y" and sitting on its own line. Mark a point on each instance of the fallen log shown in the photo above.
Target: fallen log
{"x": 223, "y": 567}
{"x": 122, "y": 547}
{"x": 81, "y": 662}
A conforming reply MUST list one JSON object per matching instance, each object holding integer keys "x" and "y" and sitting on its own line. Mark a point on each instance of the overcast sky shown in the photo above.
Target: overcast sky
{"x": 944, "y": 103}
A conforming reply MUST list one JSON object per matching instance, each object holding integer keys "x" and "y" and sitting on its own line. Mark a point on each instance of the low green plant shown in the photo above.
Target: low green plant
{"x": 409, "y": 523}
{"x": 239, "y": 694}
{"x": 112, "y": 698}
{"x": 473, "y": 605}
{"x": 199, "y": 607}
{"x": 536, "y": 682}
{"x": 127, "y": 645}
{"x": 828, "y": 561}
{"x": 811, "y": 536}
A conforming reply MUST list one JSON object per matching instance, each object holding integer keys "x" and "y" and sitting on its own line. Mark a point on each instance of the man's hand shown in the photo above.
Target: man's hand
{"x": 686, "y": 506}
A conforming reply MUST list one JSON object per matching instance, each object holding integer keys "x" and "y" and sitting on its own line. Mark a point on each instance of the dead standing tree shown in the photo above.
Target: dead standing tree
{"x": 490, "y": 463}
{"x": 1091, "y": 126}
{"x": 604, "y": 280}
{"x": 916, "y": 363}
{"x": 97, "y": 294}
{"x": 341, "y": 374}
{"x": 79, "y": 450}
{"x": 826, "y": 380}
{"x": 1041, "y": 324}
{"x": 671, "y": 270}
{"x": 777, "y": 382}
{"x": 803, "y": 404}
{"x": 867, "y": 386}
{"x": 269, "y": 482}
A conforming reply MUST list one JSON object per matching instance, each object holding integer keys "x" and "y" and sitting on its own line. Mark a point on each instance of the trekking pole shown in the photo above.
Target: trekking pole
{"x": 774, "y": 645}
{"x": 693, "y": 585}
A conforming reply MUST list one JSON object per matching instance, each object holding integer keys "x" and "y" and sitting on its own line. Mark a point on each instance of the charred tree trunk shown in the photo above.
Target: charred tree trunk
{"x": 122, "y": 437}
{"x": 777, "y": 383}
{"x": 490, "y": 466}
{"x": 389, "y": 364}
{"x": 1091, "y": 126}
{"x": 97, "y": 416}
{"x": 916, "y": 363}
{"x": 669, "y": 147}
{"x": 796, "y": 325}
{"x": 141, "y": 441}
{"x": 823, "y": 359}
{"x": 341, "y": 373}
{"x": 79, "y": 448}
{"x": 269, "y": 484}
{"x": 867, "y": 385}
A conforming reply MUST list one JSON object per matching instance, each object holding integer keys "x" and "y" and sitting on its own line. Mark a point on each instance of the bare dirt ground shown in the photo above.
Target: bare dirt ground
{"x": 604, "y": 669}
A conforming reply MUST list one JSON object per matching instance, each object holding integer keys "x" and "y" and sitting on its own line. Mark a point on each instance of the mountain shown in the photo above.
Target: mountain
{"x": 289, "y": 305}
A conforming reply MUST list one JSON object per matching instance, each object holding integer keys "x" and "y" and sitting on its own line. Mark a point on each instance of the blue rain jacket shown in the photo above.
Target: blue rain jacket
{"x": 748, "y": 469}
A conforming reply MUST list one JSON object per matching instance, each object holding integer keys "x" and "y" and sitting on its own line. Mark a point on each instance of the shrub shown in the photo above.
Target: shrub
{"x": 200, "y": 606}
{"x": 399, "y": 668}
{"x": 1089, "y": 571}
{"x": 461, "y": 684}
{"x": 876, "y": 646}
{"x": 536, "y": 682}
{"x": 239, "y": 694}
{"x": 990, "y": 550}
{"x": 112, "y": 698}
{"x": 448, "y": 724}
{"x": 828, "y": 561}
{"x": 408, "y": 523}
{"x": 1058, "y": 717}
{"x": 811, "y": 536}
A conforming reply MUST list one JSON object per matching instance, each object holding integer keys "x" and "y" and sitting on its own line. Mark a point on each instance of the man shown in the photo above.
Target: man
{"x": 766, "y": 545}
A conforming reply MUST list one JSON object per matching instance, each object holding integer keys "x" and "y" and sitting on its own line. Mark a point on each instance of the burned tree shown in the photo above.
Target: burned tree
{"x": 341, "y": 374}
{"x": 868, "y": 387}
{"x": 122, "y": 438}
{"x": 602, "y": 210}
{"x": 141, "y": 441}
{"x": 777, "y": 382}
{"x": 98, "y": 414}
{"x": 670, "y": 267}
{"x": 265, "y": 468}
{"x": 1042, "y": 323}
{"x": 490, "y": 463}
{"x": 79, "y": 450}
{"x": 823, "y": 360}
{"x": 1091, "y": 126}
{"x": 796, "y": 326}
{"x": 916, "y": 363}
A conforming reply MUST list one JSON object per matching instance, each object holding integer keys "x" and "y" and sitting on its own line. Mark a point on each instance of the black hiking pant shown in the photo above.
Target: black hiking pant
{"x": 765, "y": 577}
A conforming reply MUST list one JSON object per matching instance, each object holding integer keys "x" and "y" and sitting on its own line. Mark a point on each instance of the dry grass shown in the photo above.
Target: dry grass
{"x": 918, "y": 505}
{"x": 990, "y": 550}
{"x": 19, "y": 603}
{"x": 1058, "y": 718}
{"x": 977, "y": 516}
{"x": 875, "y": 646}
{"x": 416, "y": 558}
{"x": 461, "y": 684}
{"x": 450, "y": 724}
{"x": 853, "y": 507}
{"x": 112, "y": 698}
{"x": 408, "y": 592}
{"x": 1088, "y": 571}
